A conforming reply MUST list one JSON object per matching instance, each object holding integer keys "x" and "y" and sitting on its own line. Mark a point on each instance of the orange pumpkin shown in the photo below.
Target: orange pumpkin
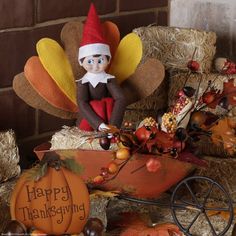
{"x": 57, "y": 203}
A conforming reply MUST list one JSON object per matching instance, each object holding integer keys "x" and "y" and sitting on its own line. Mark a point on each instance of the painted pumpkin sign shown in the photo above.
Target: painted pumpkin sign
{"x": 55, "y": 200}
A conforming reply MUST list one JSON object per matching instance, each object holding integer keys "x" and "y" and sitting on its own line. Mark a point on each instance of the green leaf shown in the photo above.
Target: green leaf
{"x": 37, "y": 172}
{"x": 66, "y": 153}
{"x": 73, "y": 166}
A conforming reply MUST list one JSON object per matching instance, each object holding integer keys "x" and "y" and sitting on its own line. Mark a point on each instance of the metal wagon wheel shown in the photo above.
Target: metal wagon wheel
{"x": 213, "y": 207}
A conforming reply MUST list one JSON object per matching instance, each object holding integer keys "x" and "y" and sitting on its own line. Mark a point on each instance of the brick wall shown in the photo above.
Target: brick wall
{"x": 23, "y": 23}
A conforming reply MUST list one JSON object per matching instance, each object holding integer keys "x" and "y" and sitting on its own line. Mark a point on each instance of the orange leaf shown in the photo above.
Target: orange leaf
{"x": 158, "y": 230}
{"x": 223, "y": 134}
{"x": 112, "y": 35}
{"x": 136, "y": 224}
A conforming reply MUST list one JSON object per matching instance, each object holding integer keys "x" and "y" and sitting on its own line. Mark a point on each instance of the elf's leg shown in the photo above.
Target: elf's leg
{"x": 109, "y": 107}
{"x": 99, "y": 107}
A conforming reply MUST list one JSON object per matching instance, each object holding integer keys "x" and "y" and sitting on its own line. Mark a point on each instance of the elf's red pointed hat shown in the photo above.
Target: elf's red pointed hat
{"x": 93, "y": 42}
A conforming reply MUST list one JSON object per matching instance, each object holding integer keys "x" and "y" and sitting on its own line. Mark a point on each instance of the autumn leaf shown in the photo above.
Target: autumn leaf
{"x": 223, "y": 134}
{"x": 191, "y": 158}
{"x": 229, "y": 92}
{"x": 36, "y": 172}
{"x": 73, "y": 166}
{"x": 140, "y": 225}
{"x": 161, "y": 140}
{"x": 66, "y": 153}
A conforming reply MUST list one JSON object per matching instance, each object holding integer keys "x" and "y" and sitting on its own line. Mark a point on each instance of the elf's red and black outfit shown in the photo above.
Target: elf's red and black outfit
{"x": 100, "y": 99}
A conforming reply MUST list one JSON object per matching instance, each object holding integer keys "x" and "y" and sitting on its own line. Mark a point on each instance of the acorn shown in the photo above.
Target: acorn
{"x": 15, "y": 227}
{"x": 197, "y": 119}
{"x": 105, "y": 143}
{"x": 125, "y": 142}
{"x": 93, "y": 227}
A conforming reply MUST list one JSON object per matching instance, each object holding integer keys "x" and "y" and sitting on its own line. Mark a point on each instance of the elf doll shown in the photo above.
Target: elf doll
{"x": 100, "y": 99}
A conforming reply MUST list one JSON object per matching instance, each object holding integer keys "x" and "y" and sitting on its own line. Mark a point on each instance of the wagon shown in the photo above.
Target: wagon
{"x": 138, "y": 185}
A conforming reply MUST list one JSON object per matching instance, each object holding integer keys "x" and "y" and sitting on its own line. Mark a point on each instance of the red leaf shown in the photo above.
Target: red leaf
{"x": 229, "y": 92}
{"x": 162, "y": 140}
{"x": 189, "y": 157}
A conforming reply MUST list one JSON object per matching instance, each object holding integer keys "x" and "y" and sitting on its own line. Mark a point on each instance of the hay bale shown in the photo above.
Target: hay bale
{"x": 222, "y": 171}
{"x": 177, "y": 81}
{"x": 73, "y": 138}
{"x": 98, "y": 207}
{"x": 5, "y": 192}
{"x": 174, "y": 47}
{"x": 9, "y": 156}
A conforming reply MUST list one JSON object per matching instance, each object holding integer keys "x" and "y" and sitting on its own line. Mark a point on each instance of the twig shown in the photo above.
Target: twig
{"x": 194, "y": 52}
{"x": 218, "y": 98}
{"x": 123, "y": 165}
{"x": 137, "y": 169}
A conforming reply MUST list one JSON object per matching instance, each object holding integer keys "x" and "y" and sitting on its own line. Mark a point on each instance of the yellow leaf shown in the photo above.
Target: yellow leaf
{"x": 128, "y": 56}
{"x": 56, "y": 63}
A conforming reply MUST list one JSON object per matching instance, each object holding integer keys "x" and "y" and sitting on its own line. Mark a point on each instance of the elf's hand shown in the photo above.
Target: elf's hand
{"x": 103, "y": 127}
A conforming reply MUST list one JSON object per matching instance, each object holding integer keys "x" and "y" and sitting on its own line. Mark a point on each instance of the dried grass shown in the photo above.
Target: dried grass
{"x": 5, "y": 193}
{"x": 174, "y": 47}
{"x": 223, "y": 172}
{"x": 73, "y": 138}
{"x": 160, "y": 215}
{"x": 9, "y": 156}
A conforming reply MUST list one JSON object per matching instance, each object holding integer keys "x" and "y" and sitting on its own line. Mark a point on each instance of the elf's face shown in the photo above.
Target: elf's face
{"x": 95, "y": 64}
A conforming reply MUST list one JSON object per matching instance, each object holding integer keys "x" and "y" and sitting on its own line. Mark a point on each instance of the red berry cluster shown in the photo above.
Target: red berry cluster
{"x": 193, "y": 65}
{"x": 122, "y": 154}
